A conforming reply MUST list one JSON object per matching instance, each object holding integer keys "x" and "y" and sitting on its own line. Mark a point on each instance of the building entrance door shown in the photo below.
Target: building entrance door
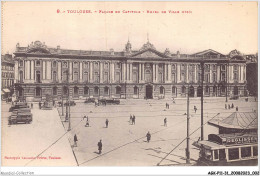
{"x": 149, "y": 92}
{"x": 191, "y": 91}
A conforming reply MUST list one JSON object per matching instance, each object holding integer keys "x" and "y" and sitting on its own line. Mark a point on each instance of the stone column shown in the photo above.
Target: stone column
{"x": 143, "y": 71}
{"x": 157, "y": 72}
{"x": 123, "y": 72}
{"x": 59, "y": 71}
{"x": 43, "y": 70}
{"x": 210, "y": 74}
{"x": 16, "y": 72}
{"x": 187, "y": 73}
{"x": 112, "y": 67}
{"x": 165, "y": 73}
{"x": 91, "y": 72}
{"x": 178, "y": 73}
{"x": 70, "y": 71}
{"x": 239, "y": 73}
{"x": 80, "y": 71}
{"x": 169, "y": 73}
{"x": 195, "y": 74}
{"x": 154, "y": 72}
{"x": 245, "y": 72}
{"x": 140, "y": 72}
{"x": 131, "y": 72}
{"x": 218, "y": 73}
{"x": 32, "y": 70}
{"x": 242, "y": 74}
{"x": 101, "y": 64}
{"x": 48, "y": 70}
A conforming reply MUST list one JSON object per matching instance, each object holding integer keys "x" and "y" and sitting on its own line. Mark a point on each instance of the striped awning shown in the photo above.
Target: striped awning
{"x": 6, "y": 90}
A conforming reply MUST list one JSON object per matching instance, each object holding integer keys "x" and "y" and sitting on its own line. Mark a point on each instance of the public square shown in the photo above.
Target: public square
{"x": 126, "y": 145}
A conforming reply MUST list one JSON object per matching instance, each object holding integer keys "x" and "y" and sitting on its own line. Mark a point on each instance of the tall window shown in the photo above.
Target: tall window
{"x": 135, "y": 77}
{"x": 76, "y": 91}
{"x": 38, "y": 63}
{"x": 64, "y": 75}
{"x": 214, "y": 77}
{"x": 223, "y": 77}
{"x": 85, "y": 76}
{"x": 135, "y": 90}
{"x": 118, "y": 90}
{"x": 174, "y": 90}
{"x": 106, "y": 65}
{"x": 161, "y": 90}
{"x": 235, "y": 67}
{"x": 38, "y": 76}
{"x": 38, "y": 92}
{"x": 235, "y": 76}
{"x": 117, "y": 76}
{"x": 106, "y": 91}
{"x": 96, "y": 77}
{"x": 95, "y": 65}
{"x": 106, "y": 77}
{"x": 85, "y": 65}
{"x": 173, "y": 77}
{"x": 21, "y": 63}
{"x": 96, "y": 90}
{"x": 182, "y": 77}
{"x": 118, "y": 65}
{"x": 54, "y": 76}
{"x": 183, "y": 89}
{"x": 207, "y": 89}
{"x": 65, "y": 64}
{"x": 76, "y": 76}
{"x": 54, "y": 91}
{"x": 86, "y": 90}
{"x": 75, "y": 65}
{"x": 223, "y": 67}
{"x": 54, "y": 64}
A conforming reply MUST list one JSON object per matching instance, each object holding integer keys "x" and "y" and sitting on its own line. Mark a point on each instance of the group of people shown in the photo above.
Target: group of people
{"x": 230, "y": 106}
{"x": 132, "y": 119}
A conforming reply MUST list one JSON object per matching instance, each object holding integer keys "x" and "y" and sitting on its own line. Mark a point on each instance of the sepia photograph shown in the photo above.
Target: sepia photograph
{"x": 146, "y": 84}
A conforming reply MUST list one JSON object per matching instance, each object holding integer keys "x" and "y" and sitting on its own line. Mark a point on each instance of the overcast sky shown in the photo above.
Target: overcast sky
{"x": 221, "y": 26}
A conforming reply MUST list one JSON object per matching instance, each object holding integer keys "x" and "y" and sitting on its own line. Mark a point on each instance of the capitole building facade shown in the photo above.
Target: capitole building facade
{"x": 144, "y": 73}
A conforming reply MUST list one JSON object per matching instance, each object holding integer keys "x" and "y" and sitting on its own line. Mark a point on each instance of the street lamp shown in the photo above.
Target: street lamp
{"x": 188, "y": 126}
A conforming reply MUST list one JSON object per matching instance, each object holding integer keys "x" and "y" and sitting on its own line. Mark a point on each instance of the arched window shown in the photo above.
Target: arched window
{"x": 54, "y": 91}
{"x": 96, "y": 90}
{"x": 75, "y": 64}
{"x": 118, "y": 90}
{"x": 76, "y": 91}
{"x": 183, "y": 89}
{"x": 135, "y": 90}
{"x": 65, "y": 64}
{"x": 106, "y": 90}
{"x": 38, "y": 92}
{"x": 161, "y": 90}
{"x": 86, "y": 90}
{"x": 85, "y": 64}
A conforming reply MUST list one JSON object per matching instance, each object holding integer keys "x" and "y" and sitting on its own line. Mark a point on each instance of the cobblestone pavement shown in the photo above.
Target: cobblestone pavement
{"x": 21, "y": 143}
{"x": 125, "y": 144}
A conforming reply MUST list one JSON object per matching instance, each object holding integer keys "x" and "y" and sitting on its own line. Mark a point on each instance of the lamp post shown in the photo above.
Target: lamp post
{"x": 188, "y": 127}
{"x": 201, "y": 100}
{"x": 68, "y": 104}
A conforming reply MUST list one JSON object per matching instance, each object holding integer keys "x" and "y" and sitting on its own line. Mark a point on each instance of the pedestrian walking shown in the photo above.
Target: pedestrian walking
{"x": 165, "y": 121}
{"x": 31, "y": 105}
{"x": 228, "y": 106}
{"x": 107, "y": 123}
{"x": 87, "y": 124}
{"x": 237, "y": 108}
{"x": 40, "y": 105}
{"x": 75, "y": 140}
{"x": 133, "y": 120}
{"x": 99, "y": 147}
{"x": 225, "y": 106}
{"x": 166, "y": 105}
{"x": 148, "y": 136}
{"x": 232, "y": 106}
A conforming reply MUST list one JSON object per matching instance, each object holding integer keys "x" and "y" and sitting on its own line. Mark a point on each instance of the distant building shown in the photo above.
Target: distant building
{"x": 252, "y": 73}
{"x": 7, "y": 64}
{"x": 143, "y": 73}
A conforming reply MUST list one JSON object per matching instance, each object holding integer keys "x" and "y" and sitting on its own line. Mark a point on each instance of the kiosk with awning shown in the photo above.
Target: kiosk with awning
{"x": 236, "y": 143}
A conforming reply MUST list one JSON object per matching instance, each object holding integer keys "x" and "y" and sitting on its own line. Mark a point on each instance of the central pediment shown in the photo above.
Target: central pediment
{"x": 149, "y": 53}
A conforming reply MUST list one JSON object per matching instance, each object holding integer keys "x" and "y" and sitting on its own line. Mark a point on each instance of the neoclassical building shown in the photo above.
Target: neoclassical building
{"x": 143, "y": 73}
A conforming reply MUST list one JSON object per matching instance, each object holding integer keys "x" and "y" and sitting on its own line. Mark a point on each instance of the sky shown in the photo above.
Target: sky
{"x": 221, "y": 26}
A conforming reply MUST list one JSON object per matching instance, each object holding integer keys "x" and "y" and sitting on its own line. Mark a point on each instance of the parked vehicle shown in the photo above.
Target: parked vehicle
{"x": 90, "y": 100}
{"x": 109, "y": 101}
{"x": 70, "y": 103}
{"x": 24, "y": 117}
{"x": 18, "y": 105}
{"x": 234, "y": 97}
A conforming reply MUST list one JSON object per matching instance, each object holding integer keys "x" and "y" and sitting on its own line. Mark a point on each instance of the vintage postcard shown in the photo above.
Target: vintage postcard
{"x": 130, "y": 84}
